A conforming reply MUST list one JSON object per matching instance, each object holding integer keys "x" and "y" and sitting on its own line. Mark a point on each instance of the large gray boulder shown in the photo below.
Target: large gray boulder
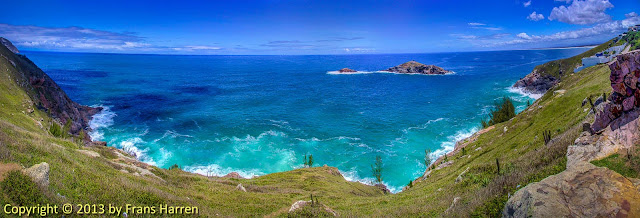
{"x": 581, "y": 191}
{"x": 39, "y": 173}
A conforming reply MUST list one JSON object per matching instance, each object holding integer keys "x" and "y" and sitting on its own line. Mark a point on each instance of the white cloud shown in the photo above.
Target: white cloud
{"x": 630, "y": 15}
{"x": 523, "y": 36}
{"x": 565, "y": 1}
{"x": 611, "y": 28}
{"x": 535, "y": 16}
{"x": 527, "y": 4}
{"x": 582, "y": 12}
{"x": 477, "y": 24}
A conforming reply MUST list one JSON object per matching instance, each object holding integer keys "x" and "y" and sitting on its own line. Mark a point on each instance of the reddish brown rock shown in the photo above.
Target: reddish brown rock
{"x": 346, "y": 70}
{"x": 628, "y": 103}
{"x": 233, "y": 175}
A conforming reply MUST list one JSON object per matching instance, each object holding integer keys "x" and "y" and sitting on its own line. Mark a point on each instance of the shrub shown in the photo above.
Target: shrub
{"x": 502, "y": 112}
{"x": 66, "y": 129}
{"x": 55, "y": 129}
{"x": 21, "y": 190}
{"x": 175, "y": 166}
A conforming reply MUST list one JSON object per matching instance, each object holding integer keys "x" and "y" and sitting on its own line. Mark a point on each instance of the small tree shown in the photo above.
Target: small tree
{"x": 310, "y": 164}
{"x": 66, "y": 129}
{"x": 304, "y": 161}
{"x": 427, "y": 158}
{"x": 376, "y": 169}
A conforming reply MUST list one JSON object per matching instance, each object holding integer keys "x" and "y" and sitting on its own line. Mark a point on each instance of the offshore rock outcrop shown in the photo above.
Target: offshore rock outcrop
{"x": 45, "y": 94}
{"x": 584, "y": 190}
{"x": 413, "y": 67}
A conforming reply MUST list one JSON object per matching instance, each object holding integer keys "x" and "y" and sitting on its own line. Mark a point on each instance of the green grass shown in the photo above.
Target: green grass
{"x": 523, "y": 157}
{"x": 21, "y": 190}
{"x": 627, "y": 165}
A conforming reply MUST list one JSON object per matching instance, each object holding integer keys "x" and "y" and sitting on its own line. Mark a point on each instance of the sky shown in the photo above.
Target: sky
{"x": 300, "y": 27}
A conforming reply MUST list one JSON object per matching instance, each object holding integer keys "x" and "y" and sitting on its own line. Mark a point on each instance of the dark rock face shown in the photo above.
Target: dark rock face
{"x": 536, "y": 83}
{"x": 9, "y": 45}
{"x": 413, "y": 67}
{"x": 625, "y": 72}
{"x": 47, "y": 96}
{"x": 346, "y": 70}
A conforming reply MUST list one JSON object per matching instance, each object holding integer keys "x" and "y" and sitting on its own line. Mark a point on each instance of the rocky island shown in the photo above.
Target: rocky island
{"x": 413, "y": 67}
{"x": 346, "y": 70}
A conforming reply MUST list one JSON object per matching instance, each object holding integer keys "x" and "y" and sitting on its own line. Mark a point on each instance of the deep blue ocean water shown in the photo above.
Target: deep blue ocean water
{"x": 261, "y": 114}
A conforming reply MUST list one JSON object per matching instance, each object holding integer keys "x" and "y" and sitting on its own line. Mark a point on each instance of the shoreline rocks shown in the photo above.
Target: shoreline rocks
{"x": 413, "y": 67}
{"x": 536, "y": 83}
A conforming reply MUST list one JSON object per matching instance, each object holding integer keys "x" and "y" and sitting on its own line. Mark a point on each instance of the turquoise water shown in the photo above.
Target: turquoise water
{"x": 261, "y": 114}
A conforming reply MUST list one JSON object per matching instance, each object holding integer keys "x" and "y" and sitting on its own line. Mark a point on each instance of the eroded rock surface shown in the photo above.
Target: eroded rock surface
{"x": 581, "y": 191}
{"x": 39, "y": 173}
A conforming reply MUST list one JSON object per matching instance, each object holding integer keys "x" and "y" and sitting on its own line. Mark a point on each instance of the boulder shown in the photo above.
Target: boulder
{"x": 581, "y": 191}
{"x": 98, "y": 143}
{"x": 413, "y": 67}
{"x": 39, "y": 173}
{"x": 241, "y": 188}
{"x": 620, "y": 134}
{"x": 233, "y": 175}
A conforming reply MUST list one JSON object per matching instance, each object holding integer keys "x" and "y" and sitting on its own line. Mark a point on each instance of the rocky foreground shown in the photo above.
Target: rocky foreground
{"x": 584, "y": 190}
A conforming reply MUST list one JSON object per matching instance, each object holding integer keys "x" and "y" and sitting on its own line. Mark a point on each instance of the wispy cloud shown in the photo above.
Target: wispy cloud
{"x": 582, "y": 12}
{"x": 535, "y": 16}
{"x": 477, "y": 24}
{"x": 86, "y": 39}
{"x": 484, "y": 26}
{"x": 527, "y": 4}
{"x": 339, "y": 39}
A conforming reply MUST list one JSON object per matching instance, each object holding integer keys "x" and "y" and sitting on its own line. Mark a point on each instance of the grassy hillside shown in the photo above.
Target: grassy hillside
{"x": 559, "y": 68}
{"x": 105, "y": 175}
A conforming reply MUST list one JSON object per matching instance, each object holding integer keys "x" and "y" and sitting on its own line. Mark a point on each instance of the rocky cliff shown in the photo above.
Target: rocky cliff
{"x": 9, "y": 45}
{"x": 413, "y": 67}
{"x": 584, "y": 190}
{"x": 44, "y": 93}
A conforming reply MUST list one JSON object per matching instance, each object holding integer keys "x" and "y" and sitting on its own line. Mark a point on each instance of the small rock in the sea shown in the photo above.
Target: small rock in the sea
{"x": 346, "y": 70}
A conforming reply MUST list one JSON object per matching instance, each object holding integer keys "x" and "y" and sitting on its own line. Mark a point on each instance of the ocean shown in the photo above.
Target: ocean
{"x": 261, "y": 114}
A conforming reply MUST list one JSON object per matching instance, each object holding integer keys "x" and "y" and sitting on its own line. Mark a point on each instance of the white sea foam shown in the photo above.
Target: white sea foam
{"x": 99, "y": 121}
{"x": 130, "y": 146}
{"x": 521, "y": 91}
{"x": 217, "y": 170}
{"x": 352, "y": 176}
{"x": 449, "y": 145}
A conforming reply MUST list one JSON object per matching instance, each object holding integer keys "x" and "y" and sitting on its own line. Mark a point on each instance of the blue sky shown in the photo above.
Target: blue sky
{"x": 311, "y": 27}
